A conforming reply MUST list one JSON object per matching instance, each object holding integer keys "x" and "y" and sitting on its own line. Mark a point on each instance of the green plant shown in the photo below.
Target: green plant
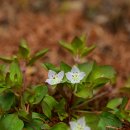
{"x": 17, "y": 100}
{"x": 34, "y": 107}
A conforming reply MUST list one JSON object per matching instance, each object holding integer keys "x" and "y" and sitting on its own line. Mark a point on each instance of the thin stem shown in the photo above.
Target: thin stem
{"x": 71, "y": 99}
{"x": 83, "y": 111}
{"x": 24, "y": 76}
{"x": 111, "y": 127}
{"x": 61, "y": 91}
{"x": 30, "y": 91}
{"x": 75, "y": 88}
{"x": 96, "y": 97}
{"x": 27, "y": 108}
{"x": 77, "y": 59}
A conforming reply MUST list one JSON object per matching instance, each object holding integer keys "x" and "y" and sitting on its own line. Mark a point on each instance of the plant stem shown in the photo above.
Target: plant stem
{"x": 77, "y": 59}
{"x": 24, "y": 76}
{"x": 61, "y": 91}
{"x": 27, "y": 108}
{"x": 82, "y": 111}
{"x": 71, "y": 99}
{"x": 96, "y": 97}
{"x": 111, "y": 127}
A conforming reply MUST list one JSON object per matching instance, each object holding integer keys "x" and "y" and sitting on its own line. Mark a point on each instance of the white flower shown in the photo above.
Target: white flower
{"x": 54, "y": 78}
{"x": 80, "y": 124}
{"x": 75, "y": 76}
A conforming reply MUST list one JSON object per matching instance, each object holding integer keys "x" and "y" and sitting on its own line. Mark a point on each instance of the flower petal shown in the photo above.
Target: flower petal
{"x": 87, "y": 128}
{"x": 52, "y": 81}
{"x": 69, "y": 76}
{"x": 82, "y": 121}
{"x": 48, "y": 81}
{"x": 75, "y": 81}
{"x": 51, "y": 74}
{"x": 73, "y": 125}
{"x": 81, "y": 75}
{"x": 75, "y": 69}
{"x": 60, "y": 75}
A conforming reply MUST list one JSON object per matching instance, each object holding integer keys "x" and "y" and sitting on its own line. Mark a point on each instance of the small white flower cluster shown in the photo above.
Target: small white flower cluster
{"x": 74, "y": 76}
{"x": 80, "y": 124}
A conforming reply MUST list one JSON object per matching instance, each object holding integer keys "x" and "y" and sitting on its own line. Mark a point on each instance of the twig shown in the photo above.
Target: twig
{"x": 112, "y": 127}
{"x": 24, "y": 76}
{"x": 82, "y": 111}
{"x": 96, "y": 97}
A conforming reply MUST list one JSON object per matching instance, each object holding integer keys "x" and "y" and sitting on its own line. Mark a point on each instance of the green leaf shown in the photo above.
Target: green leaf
{"x": 2, "y": 73}
{"x": 46, "y": 109}
{"x": 108, "y": 119}
{"x": 50, "y": 101}
{"x": 60, "y": 109}
{"x": 84, "y": 92}
{"x": 102, "y": 74}
{"x": 87, "y": 50}
{"x": 39, "y": 116}
{"x": 37, "y": 56}
{"x": 6, "y": 101}
{"x": 6, "y": 59}
{"x": 67, "y": 46}
{"x": 24, "y": 50}
{"x": 100, "y": 82}
{"x": 46, "y": 127}
{"x": 123, "y": 115}
{"x": 86, "y": 67}
{"x": 83, "y": 38}
{"x": 48, "y": 104}
{"x": 49, "y": 66}
{"x": 65, "y": 67}
{"x": 22, "y": 113}
{"x": 76, "y": 44}
{"x": 124, "y": 103}
{"x": 26, "y": 96}
{"x": 114, "y": 103}
{"x": 28, "y": 128}
{"x": 3, "y": 87}
{"x": 80, "y": 48}
{"x": 15, "y": 73}
{"x": 35, "y": 124}
{"x": 92, "y": 120}
{"x": 60, "y": 126}
{"x": 38, "y": 93}
{"x": 11, "y": 122}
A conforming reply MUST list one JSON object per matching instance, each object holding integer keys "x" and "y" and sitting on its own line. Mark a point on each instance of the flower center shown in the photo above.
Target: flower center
{"x": 55, "y": 77}
{"x": 75, "y": 76}
{"x": 79, "y": 127}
